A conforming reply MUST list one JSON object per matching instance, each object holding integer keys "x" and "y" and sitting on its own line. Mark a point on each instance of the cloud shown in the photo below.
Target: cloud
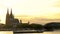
{"x": 57, "y": 4}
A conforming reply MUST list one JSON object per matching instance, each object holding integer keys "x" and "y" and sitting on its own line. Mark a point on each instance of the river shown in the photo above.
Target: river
{"x": 11, "y": 32}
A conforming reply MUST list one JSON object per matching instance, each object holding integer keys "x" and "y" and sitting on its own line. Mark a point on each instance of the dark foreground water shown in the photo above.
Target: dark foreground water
{"x": 11, "y": 32}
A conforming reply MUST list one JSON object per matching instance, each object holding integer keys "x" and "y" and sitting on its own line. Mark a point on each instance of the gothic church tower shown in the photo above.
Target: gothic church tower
{"x": 11, "y": 15}
{"x": 7, "y": 17}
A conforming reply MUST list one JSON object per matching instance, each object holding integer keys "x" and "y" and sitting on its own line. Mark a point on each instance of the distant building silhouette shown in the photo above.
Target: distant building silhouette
{"x": 10, "y": 20}
{"x": 28, "y": 22}
{"x": 21, "y": 21}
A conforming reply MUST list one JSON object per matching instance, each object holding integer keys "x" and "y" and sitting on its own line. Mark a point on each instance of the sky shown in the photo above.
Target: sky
{"x": 31, "y": 10}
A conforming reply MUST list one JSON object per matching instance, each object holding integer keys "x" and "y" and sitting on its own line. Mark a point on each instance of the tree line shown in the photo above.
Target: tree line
{"x": 47, "y": 27}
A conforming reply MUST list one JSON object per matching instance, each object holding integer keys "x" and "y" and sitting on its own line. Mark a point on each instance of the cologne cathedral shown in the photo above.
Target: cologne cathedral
{"x": 10, "y": 20}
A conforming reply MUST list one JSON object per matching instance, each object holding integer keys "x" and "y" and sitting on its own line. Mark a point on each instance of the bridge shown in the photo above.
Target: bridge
{"x": 23, "y": 30}
{"x": 28, "y": 31}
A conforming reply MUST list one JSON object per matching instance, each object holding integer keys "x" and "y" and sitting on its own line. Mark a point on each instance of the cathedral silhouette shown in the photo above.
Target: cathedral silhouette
{"x": 10, "y": 20}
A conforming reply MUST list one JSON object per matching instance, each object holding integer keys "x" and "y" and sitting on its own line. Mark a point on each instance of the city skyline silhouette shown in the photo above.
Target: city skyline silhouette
{"x": 31, "y": 10}
{"x": 32, "y": 19}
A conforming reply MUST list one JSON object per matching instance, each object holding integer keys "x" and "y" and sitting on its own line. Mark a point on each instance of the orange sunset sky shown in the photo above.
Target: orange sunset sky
{"x": 31, "y": 10}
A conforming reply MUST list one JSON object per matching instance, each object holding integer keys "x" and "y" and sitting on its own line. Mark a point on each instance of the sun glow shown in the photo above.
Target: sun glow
{"x": 30, "y": 9}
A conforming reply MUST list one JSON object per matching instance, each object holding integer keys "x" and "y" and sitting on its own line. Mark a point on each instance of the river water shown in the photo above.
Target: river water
{"x": 11, "y": 32}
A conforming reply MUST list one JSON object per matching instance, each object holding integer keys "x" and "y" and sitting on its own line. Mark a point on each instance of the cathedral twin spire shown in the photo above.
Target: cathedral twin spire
{"x": 7, "y": 11}
{"x": 10, "y": 15}
{"x": 10, "y": 20}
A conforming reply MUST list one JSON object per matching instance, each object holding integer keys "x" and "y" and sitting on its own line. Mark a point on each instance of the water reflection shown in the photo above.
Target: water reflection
{"x": 6, "y": 32}
{"x": 53, "y": 32}
{"x": 11, "y": 32}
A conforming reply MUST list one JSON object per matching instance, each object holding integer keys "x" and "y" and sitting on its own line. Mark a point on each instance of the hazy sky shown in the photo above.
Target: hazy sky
{"x": 31, "y": 9}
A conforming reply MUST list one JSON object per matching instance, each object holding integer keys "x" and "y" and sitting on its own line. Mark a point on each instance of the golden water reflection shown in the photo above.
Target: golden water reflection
{"x": 6, "y": 32}
{"x": 11, "y": 32}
